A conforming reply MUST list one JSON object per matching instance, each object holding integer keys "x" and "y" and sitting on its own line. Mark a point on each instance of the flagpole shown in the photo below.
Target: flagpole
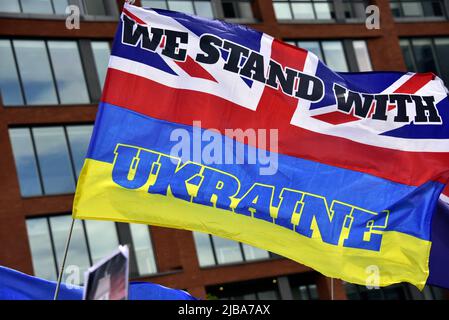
{"x": 332, "y": 288}
{"x": 61, "y": 271}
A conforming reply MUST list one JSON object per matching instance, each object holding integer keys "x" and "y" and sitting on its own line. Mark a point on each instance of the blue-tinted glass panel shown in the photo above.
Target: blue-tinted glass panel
{"x": 102, "y": 237}
{"x": 36, "y": 6}
{"x": 181, "y": 6}
{"x": 313, "y": 46}
{"x": 10, "y": 6}
{"x": 362, "y": 55}
{"x": 424, "y": 55}
{"x": 54, "y": 160}
{"x": 79, "y": 138}
{"x": 334, "y": 55}
{"x": 101, "y": 53}
{"x": 143, "y": 249}
{"x": 68, "y": 72}
{"x": 302, "y": 11}
{"x": 25, "y": 160}
{"x": 204, "y": 9}
{"x": 41, "y": 250}
{"x": 282, "y": 11}
{"x": 35, "y": 71}
{"x": 253, "y": 253}
{"x": 9, "y": 79}
{"x": 408, "y": 55}
{"x": 156, "y": 4}
{"x": 95, "y": 7}
{"x": 60, "y": 6}
{"x": 77, "y": 254}
{"x": 442, "y": 51}
{"x": 324, "y": 10}
{"x": 227, "y": 251}
{"x": 204, "y": 249}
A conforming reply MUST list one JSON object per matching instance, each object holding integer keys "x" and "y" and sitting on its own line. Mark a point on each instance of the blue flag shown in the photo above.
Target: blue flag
{"x": 15, "y": 285}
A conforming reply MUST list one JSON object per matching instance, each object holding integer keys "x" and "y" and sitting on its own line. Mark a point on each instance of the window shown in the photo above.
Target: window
{"x": 198, "y": 7}
{"x": 427, "y": 55}
{"x": 143, "y": 249}
{"x": 49, "y": 159}
{"x": 237, "y": 9}
{"x": 261, "y": 289}
{"x": 231, "y": 9}
{"x": 417, "y": 8}
{"x": 88, "y": 7}
{"x": 319, "y": 9}
{"x": 91, "y": 241}
{"x": 9, "y": 78}
{"x": 214, "y": 250}
{"x": 101, "y": 52}
{"x": 302, "y": 286}
{"x": 36, "y": 72}
{"x": 34, "y": 6}
{"x": 334, "y": 53}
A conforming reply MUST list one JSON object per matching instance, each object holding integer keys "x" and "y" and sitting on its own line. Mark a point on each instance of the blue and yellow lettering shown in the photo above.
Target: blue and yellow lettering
{"x": 132, "y": 166}
{"x": 217, "y": 189}
{"x": 256, "y": 202}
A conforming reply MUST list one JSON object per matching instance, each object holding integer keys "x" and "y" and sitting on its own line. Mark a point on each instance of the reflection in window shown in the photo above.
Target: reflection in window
{"x": 427, "y": 55}
{"x": 39, "y": 240}
{"x": 52, "y": 156}
{"x": 48, "y": 73}
{"x": 332, "y": 53}
{"x": 95, "y": 7}
{"x": 227, "y": 251}
{"x": 68, "y": 72}
{"x": 212, "y": 250}
{"x": 37, "y": 78}
{"x": 198, "y": 7}
{"x": 77, "y": 254}
{"x": 91, "y": 241}
{"x": 204, "y": 249}
{"x": 303, "y": 9}
{"x": 54, "y": 160}
{"x": 253, "y": 253}
{"x": 34, "y": 6}
{"x": 143, "y": 249}
{"x": 362, "y": 55}
{"x": 102, "y": 237}
{"x": 25, "y": 159}
{"x": 101, "y": 52}
{"x": 10, "y": 90}
{"x": 305, "y": 292}
{"x": 319, "y": 9}
{"x": 237, "y": 9}
{"x": 417, "y": 8}
{"x": 442, "y": 54}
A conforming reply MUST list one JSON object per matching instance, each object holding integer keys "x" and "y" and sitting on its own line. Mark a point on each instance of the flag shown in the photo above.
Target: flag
{"x": 15, "y": 285}
{"x": 209, "y": 126}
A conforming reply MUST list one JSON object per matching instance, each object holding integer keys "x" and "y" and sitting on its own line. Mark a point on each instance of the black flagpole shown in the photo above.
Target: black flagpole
{"x": 61, "y": 271}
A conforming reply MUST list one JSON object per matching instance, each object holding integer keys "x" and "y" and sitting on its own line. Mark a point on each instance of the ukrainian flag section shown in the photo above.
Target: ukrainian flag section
{"x": 337, "y": 221}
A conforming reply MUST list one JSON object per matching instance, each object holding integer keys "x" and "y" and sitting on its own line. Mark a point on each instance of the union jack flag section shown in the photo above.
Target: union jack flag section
{"x": 362, "y": 157}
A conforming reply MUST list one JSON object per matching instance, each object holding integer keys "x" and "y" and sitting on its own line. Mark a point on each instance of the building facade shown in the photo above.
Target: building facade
{"x": 50, "y": 83}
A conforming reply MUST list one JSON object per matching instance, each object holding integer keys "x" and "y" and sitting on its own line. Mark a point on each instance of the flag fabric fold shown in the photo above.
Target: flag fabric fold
{"x": 209, "y": 126}
{"x": 15, "y": 285}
